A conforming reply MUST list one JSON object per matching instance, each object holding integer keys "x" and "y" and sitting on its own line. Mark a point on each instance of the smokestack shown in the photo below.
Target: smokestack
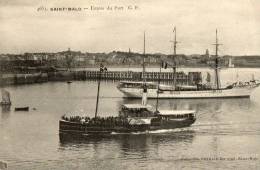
{"x": 144, "y": 97}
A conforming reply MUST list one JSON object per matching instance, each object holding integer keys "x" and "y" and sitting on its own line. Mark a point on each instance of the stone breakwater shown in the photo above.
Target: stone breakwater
{"x": 10, "y": 79}
{"x": 16, "y": 79}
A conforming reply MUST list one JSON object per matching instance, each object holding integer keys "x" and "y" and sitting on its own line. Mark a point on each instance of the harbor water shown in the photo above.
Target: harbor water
{"x": 226, "y": 134}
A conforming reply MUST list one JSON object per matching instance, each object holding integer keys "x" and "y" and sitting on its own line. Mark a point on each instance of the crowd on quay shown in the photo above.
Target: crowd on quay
{"x": 97, "y": 121}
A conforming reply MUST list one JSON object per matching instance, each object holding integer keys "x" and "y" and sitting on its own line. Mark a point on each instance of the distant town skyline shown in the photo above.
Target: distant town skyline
{"x": 24, "y": 29}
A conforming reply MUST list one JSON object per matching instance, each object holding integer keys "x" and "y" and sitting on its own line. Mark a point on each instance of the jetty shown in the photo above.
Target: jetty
{"x": 189, "y": 78}
{"x": 181, "y": 77}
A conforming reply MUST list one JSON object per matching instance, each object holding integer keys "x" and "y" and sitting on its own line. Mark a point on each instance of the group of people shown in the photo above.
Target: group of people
{"x": 136, "y": 113}
{"x": 98, "y": 121}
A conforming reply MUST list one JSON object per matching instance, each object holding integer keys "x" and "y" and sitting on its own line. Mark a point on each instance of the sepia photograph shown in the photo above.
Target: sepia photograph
{"x": 129, "y": 84}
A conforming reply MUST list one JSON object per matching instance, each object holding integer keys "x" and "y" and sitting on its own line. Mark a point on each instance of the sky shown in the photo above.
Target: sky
{"x": 25, "y": 29}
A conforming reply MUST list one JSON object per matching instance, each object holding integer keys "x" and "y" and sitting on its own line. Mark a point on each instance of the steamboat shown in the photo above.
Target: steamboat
{"x": 131, "y": 118}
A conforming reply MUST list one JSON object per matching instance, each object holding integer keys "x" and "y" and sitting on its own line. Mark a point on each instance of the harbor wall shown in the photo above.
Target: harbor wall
{"x": 9, "y": 79}
{"x": 190, "y": 78}
{"x": 30, "y": 78}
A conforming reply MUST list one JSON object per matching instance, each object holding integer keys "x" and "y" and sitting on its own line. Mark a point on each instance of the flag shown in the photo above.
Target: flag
{"x": 102, "y": 68}
{"x": 164, "y": 65}
{"x": 174, "y": 29}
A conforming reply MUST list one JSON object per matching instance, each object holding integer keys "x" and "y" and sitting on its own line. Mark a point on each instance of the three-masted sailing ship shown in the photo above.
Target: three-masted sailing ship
{"x": 237, "y": 89}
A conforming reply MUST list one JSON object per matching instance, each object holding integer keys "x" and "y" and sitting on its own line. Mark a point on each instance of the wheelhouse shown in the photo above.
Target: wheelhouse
{"x": 136, "y": 110}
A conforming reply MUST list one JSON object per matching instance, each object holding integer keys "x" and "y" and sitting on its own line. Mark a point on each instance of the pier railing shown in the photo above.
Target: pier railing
{"x": 181, "y": 77}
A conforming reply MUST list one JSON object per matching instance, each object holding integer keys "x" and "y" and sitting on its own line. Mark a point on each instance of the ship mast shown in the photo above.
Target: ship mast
{"x": 99, "y": 79}
{"x": 144, "y": 97}
{"x": 144, "y": 79}
{"x": 129, "y": 56}
{"x": 174, "y": 57}
{"x": 158, "y": 88}
{"x": 217, "y": 79}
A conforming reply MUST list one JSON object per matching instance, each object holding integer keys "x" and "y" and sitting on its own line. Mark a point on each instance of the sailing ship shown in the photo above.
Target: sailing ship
{"x": 131, "y": 118}
{"x": 237, "y": 89}
{"x": 5, "y": 98}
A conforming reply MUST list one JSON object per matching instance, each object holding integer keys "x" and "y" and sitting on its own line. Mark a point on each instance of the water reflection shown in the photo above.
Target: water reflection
{"x": 222, "y": 126}
{"x": 210, "y": 105}
{"x": 5, "y": 112}
{"x": 129, "y": 143}
{"x": 5, "y": 108}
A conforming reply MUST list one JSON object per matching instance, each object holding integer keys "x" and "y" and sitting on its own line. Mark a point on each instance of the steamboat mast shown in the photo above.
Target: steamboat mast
{"x": 99, "y": 79}
{"x": 174, "y": 58}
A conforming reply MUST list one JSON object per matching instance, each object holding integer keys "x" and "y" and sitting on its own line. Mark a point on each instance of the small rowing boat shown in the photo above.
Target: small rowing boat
{"x": 21, "y": 108}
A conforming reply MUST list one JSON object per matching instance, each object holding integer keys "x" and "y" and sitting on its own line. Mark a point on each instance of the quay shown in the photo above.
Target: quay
{"x": 190, "y": 78}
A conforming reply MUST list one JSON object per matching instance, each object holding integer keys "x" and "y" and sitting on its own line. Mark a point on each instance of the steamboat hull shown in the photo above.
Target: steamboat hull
{"x": 76, "y": 128}
{"x": 173, "y": 124}
{"x": 189, "y": 94}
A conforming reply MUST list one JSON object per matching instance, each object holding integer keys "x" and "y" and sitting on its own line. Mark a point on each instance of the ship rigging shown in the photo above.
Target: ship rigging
{"x": 133, "y": 90}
